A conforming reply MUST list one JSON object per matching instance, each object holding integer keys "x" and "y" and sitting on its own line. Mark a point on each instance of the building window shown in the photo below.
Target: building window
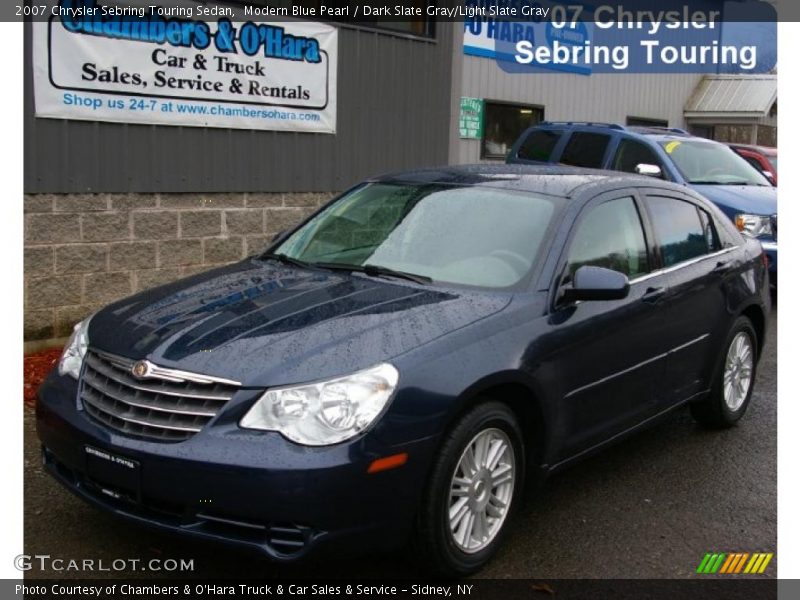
{"x": 703, "y": 131}
{"x": 503, "y": 124}
{"x": 645, "y": 122}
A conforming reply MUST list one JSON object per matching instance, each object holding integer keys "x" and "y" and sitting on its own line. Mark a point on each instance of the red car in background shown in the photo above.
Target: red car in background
{"x": 762, "y": 158}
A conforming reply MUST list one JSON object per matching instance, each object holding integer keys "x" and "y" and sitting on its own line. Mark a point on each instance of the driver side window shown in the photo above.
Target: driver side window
{"x": 610, "y": 235}
{"x": 630, "y": 154}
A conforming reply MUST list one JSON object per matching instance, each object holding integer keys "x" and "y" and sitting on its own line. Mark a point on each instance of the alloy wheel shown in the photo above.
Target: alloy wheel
{"x": 738, "y": 373}
{"x": 481, "y": 490}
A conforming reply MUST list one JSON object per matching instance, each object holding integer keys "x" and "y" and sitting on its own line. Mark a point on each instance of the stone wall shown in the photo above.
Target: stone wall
{"x": 85, "y": 251}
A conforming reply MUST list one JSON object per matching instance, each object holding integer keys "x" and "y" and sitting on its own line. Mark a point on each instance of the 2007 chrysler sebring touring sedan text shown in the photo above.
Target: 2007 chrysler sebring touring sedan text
{"x": 393, "y": 370}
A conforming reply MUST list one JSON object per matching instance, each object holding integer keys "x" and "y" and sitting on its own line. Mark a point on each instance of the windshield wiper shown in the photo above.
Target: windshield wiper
{"x": 718, "y": 182}
{"x": 372, "y": 271}
{"x": 280, "y": 257}
{"x": 378, "y": 270}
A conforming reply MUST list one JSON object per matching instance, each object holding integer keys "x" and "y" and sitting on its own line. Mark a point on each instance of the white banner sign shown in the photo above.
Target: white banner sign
{"x": 149, "y": 68}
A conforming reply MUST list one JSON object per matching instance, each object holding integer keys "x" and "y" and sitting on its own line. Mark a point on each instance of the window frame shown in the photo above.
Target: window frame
{"x": 486, "y": 104}
{"x": 560, "y": 272}
{"x": 656, "y": 248}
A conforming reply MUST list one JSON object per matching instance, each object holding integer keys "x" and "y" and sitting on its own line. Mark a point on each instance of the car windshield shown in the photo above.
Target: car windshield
{"x": 711, "y": 163}
{"x": 476, "y": 236}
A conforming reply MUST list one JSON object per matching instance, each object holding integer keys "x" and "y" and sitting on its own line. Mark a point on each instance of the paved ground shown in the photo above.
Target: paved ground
{"x": 650, "y": 507}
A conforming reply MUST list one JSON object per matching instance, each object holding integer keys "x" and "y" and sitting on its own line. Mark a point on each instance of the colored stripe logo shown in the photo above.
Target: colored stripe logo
{"x": 734, "y": 563}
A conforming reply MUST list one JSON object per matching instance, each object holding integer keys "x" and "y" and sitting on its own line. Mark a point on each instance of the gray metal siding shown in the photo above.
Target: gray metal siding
{"x": 394, "y": 110}
{"x": 568, "y": 97}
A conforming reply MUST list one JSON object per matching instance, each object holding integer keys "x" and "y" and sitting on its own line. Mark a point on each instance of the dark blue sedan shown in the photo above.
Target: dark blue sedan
{"x": 393, "y": 370}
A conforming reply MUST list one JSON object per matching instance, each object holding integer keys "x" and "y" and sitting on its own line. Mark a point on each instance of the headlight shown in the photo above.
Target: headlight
{"x": 326, "y": 412}
{"x": 72, "y": 357}
{"x": 754, "y": 225}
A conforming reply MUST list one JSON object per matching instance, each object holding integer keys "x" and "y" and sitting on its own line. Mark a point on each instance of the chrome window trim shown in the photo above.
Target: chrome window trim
{"x": 682, "y": 265}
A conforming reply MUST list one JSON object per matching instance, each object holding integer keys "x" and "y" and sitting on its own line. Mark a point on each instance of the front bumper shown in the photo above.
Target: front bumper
{"x": 251, "y": 489}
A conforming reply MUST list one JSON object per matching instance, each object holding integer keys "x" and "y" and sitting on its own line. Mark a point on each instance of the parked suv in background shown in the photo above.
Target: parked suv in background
{"x": 760, "y": 157}
{"x": 708, "y": 167}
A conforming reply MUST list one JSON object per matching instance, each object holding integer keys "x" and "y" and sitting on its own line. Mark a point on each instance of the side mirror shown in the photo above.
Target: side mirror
{"x": 770, "y": 177}
{"x": 597, "y": 283}
{"x": 648, "y": 170}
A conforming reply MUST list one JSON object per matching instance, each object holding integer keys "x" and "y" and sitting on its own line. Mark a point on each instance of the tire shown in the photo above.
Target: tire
{"x": 725, "y": 406}
{"x": 452, "y": 551}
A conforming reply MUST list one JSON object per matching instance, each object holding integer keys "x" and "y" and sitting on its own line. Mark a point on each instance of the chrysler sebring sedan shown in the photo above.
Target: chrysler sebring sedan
{"x": 393, "y": 371}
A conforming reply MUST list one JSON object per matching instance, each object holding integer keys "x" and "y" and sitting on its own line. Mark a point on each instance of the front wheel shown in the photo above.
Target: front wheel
{"x": 734, "y": 380}
{"x": 476, "y": 480}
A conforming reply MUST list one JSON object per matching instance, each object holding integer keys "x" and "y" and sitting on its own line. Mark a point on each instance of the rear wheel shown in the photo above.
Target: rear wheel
{"x": 734, "y": 379}
{"x": 476, "y": 480}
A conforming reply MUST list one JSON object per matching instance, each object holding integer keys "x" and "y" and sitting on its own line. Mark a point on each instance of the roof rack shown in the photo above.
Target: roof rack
{"x": 586, "y": 123}
{"x": 677, "y": 130}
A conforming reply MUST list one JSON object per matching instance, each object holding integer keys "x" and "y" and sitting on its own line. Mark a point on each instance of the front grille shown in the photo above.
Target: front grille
{"x": 159, "y": 407}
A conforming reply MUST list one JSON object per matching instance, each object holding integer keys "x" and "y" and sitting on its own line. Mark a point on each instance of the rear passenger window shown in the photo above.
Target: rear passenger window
{"x": 585, "y": 150}
{"x": 610, "y": 235}
{"x": 631, "y": 154}
{"x": 682, "y": 230}
{"x": 539, "y": 145}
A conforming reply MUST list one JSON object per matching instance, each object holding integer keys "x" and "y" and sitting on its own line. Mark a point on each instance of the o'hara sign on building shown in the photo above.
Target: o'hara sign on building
{"x": 102, "y": 62}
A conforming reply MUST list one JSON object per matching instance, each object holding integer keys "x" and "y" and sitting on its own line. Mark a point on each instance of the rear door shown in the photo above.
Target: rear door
{"x": 607, "y": 355}
{"x": 699, "y": 265}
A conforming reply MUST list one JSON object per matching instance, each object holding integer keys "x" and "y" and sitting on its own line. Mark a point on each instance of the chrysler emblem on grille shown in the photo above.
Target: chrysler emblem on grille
{"x": 141, "y": 369}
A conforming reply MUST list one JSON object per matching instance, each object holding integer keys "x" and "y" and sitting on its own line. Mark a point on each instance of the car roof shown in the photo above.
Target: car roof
{"x": 659, "y": 134}
{"x": 553, "y": 180}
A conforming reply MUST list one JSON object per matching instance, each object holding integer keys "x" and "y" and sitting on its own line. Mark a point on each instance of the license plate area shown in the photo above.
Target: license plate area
{"x": 117, "y": 477}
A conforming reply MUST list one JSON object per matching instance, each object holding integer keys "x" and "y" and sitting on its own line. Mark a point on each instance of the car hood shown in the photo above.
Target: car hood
{"x": 756, "y": 200}
{"x": 266, "y": 324}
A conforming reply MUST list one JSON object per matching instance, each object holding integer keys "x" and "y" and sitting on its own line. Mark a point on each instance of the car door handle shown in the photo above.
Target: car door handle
{"x": 653, "y": 294}
{"x": 723, "y": 266}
